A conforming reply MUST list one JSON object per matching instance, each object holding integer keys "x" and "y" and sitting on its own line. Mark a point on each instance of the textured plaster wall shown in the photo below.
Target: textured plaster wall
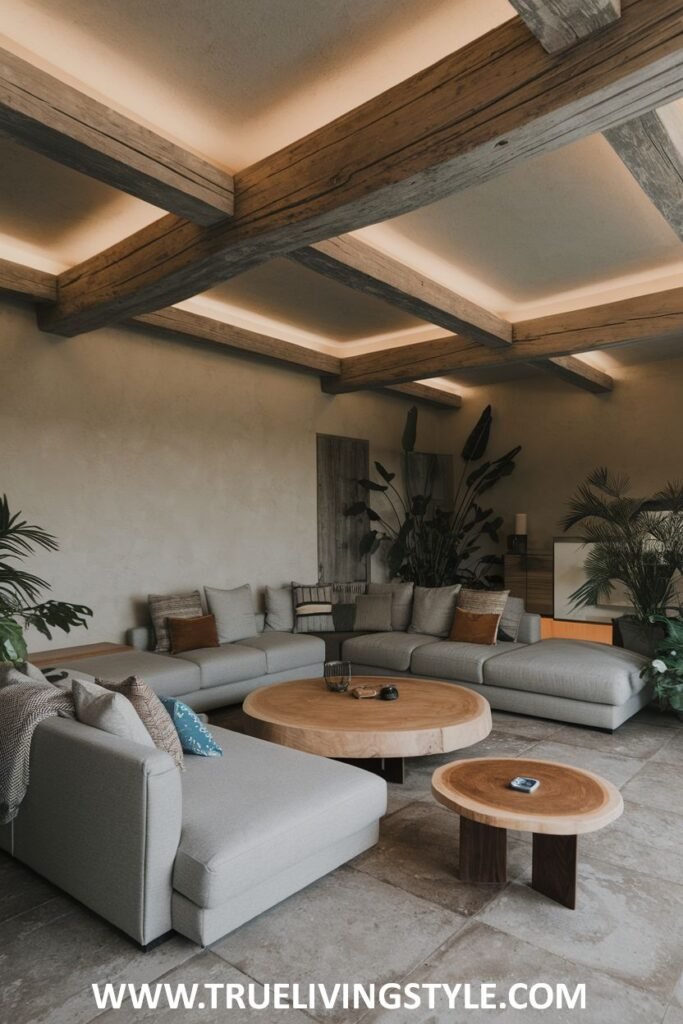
{"x": 161, "y": 464}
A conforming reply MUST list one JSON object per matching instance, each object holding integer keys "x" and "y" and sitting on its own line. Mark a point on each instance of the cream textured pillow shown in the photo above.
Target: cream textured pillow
{"x": 110, "y": 712}
{"x": 484, "y": 602}
{"x": 152, "y": 714}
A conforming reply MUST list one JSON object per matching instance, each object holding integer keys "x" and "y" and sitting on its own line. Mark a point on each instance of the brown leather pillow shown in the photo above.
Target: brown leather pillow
{"x": 191, "y": 634}
{"x": 474, "y": 627}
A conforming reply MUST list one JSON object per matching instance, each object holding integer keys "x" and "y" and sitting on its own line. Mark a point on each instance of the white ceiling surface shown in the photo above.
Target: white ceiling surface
{"x": 237, "y": 79}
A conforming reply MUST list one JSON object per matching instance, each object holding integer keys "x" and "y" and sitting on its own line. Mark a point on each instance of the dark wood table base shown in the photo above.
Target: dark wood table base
{"x": 391, "y": 769}
{"x": 483, "y": 859}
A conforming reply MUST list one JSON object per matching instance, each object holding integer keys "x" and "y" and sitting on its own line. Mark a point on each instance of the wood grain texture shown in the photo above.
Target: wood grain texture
{"x": 579, "y": 373}
{"x": 559, "y": 24}
{"x": 568, "y": 801}
{"x": 554, "y": 863}
{"x": 595, "y": 632}
{"x": 21, "y": 280}
{"x": 426, "y": 393}
{"x": 64, "y": 655}
{"x": 651, "y": 146}
{"x": 475, "y": 114}
{"x": 530, "y": 577}
{"x": 55, "y": 119}
{"x": 483, "y": 853}
{"x": 341, "y": 463}
{"x": 366, "y": 269}
{"x": 180, "y": 321}
{"x": 428, "y": 718}
{"x": 643, "y": 318}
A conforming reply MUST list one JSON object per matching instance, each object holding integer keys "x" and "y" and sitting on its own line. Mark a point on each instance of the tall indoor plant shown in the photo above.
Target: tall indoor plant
{"x": 20, "y": 589}
{"x": 429, "y": 545}
{"x": 665, "y": 671}
{"x": 637, "y": 542}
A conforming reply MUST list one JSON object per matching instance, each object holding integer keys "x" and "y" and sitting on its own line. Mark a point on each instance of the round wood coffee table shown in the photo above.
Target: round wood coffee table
{"x": 568, "y": 801}
{"x": 427, "y": 718}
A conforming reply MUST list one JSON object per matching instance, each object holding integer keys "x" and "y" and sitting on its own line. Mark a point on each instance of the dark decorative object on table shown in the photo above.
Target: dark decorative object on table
{"x": 637, "y": 542}
{"x": 337, "y": 675}
{"x": 429, "y": 545}
{"x": 389, "y": 693}
{"x": 20, "y": 590}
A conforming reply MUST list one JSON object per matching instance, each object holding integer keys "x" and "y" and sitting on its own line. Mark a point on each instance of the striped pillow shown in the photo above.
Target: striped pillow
{"x": 312, "y": 607}
{"x": 176, "y": 606}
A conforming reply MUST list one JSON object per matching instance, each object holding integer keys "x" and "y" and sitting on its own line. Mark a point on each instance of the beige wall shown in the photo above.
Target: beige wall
{"x": 566, "y": 432}
{"x": 163, "y": 464}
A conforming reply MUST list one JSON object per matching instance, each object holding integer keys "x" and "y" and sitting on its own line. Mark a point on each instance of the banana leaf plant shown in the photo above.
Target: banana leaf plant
{"x": 425, "y": 543}
{"x": 20, "y": 589}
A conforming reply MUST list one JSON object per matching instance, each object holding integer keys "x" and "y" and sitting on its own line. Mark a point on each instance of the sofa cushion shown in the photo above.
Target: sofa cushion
{"x": 229, "y": 663}
{"x": 312, "y": 607}
{"x": 447, "y": 659}
{"x": 168, "y": 676}
{"x": 279, "y": 609}
{"x": 373, "y": 613}
{"x": 401, "y": 601}
{"x": 180, "y": 606}
{"x": 511, "y": 619}
{"x": 575, "y": 669}
{"x": 384, "y": 650}
{"x": 260, "y": 809}
{"x": 234, "y": 612}
{"x": 284, "y": 651}
{"x": 433, "y": 610}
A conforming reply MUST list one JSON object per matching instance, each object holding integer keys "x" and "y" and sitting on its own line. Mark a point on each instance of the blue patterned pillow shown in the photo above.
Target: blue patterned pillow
{"x": 195, "y": 738}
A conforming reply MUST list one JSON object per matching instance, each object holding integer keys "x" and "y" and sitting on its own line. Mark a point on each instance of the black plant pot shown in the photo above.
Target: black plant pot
{"x": 635, "y": 635}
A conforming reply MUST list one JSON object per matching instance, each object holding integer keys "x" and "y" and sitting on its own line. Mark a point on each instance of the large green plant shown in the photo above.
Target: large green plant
{"x": 20, "y": 589}
{"x": 665, "y": 671}
{"x": 637, "y": 542}
{"x": 428, "y": 545}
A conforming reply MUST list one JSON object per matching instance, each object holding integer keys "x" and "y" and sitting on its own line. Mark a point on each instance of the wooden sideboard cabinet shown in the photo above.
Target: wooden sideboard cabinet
{"x": 530, "y": 577}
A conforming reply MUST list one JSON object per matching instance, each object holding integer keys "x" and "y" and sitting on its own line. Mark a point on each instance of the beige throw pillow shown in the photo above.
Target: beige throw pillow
{"x": 110, "y": 712}
{"x": 433, "y": 610}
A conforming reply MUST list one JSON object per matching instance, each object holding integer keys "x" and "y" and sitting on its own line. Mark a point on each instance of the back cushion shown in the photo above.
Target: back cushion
{"x": 279, "y": 609}
{"x": 234, "y": 613}
{"x": 401, "y": 602}
{"x": 433, "y": 610}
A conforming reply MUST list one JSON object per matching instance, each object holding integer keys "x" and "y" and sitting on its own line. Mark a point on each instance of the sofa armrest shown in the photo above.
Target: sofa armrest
{"x": 102, "y": 820}
{"x": 139, "y": 637}
{"x": 529, "y": 628}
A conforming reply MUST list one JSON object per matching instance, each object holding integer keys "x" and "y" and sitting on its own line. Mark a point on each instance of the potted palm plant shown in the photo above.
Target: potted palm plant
{"x": 20, "y": 589}
{"x": 637, "y": 542}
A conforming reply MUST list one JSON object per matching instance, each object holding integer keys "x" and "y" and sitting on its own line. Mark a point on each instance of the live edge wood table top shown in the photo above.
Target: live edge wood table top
{"x": 568, "y": 802}
{"x": 427, "y": 718}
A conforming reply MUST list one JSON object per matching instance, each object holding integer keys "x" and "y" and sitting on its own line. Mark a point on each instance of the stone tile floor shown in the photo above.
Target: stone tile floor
{"x": 399, "y": 912}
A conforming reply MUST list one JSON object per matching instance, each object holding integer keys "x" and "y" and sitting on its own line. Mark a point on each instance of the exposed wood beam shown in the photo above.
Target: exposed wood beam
{"x": 578, "y": 372}
{"x": 651, "y": 146}
{"x": 369, "y": 270}
{"x": 471, "y": 116}
{"x": 644, "y": 318}
{"x": 180, "y": 321}
{"x": 366, "y": 269}
{"x": 22, "y": 280}
{"x": 426, "y": 393}
{"x": 559, "y": 24}
{"x": 57, "y": 120}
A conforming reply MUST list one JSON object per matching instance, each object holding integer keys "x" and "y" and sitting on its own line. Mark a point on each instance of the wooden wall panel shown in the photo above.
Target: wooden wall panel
{"x": 341, "y": 462}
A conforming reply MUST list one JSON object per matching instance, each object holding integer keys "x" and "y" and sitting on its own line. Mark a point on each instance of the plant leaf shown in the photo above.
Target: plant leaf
{"x": 384, "y": 473}
{"x": 476, "y": 443}
{"x": 410, "y": 431}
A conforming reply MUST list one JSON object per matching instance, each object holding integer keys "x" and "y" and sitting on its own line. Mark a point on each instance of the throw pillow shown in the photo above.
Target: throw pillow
{"x": 151, "y": 713}
{"x": 401, "y": 602}
{"x": 485, "y": 602}
{"x": 312, "y": 607}
{"x": 373, "y": 613}
{"x": 180, "y": 606}
{"x": 193, "y": 734}
{"x": 346, "y": 593}
{"x": 433, "y": 610}
{"x": 192, "y": 634}
{"x": 344, "y": 617}
{"x": 279, "y": 609}
{"x": 234, "y": 613}
{"x": 108, "y": 711}
{"x": 474, "y": 627}
{"x": 511, "y": 619}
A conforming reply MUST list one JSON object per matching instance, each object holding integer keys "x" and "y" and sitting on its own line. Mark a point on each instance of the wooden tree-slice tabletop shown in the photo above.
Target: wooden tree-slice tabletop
{"x": 427, "y": 718}
{"x": 568, "y": 801}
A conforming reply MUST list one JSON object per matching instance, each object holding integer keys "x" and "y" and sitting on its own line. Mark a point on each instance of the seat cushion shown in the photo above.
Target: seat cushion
{"x": 229, "y": 663}
{"x": 286, "y": 651}
{"x": 448, "y": 659}
{"x": 260, "y": 809}
{"x": 166, "y": 675}
{"x": 575, "y": 669}
{"x": 384, "y": 650}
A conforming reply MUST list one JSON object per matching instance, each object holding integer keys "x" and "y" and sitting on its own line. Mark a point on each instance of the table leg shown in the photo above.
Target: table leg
{"x": 391, "y": 769}
{"x": 553, "y": 870}
{"x": 483, "y": 852}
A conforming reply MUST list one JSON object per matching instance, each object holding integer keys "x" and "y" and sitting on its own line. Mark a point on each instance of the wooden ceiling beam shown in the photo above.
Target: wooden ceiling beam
{"x": 475, "y": 114}
{"x": 427, "y": 393}
{"x": 577, "y": 372}
{"x": 364, "y": 268}
{"x": 46, "y": 115}
{"x": 21, "y": 280}
{"x": 644, "y": 318}
{"x": 560, "y": 24}
{"x": 651, "y": 146}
